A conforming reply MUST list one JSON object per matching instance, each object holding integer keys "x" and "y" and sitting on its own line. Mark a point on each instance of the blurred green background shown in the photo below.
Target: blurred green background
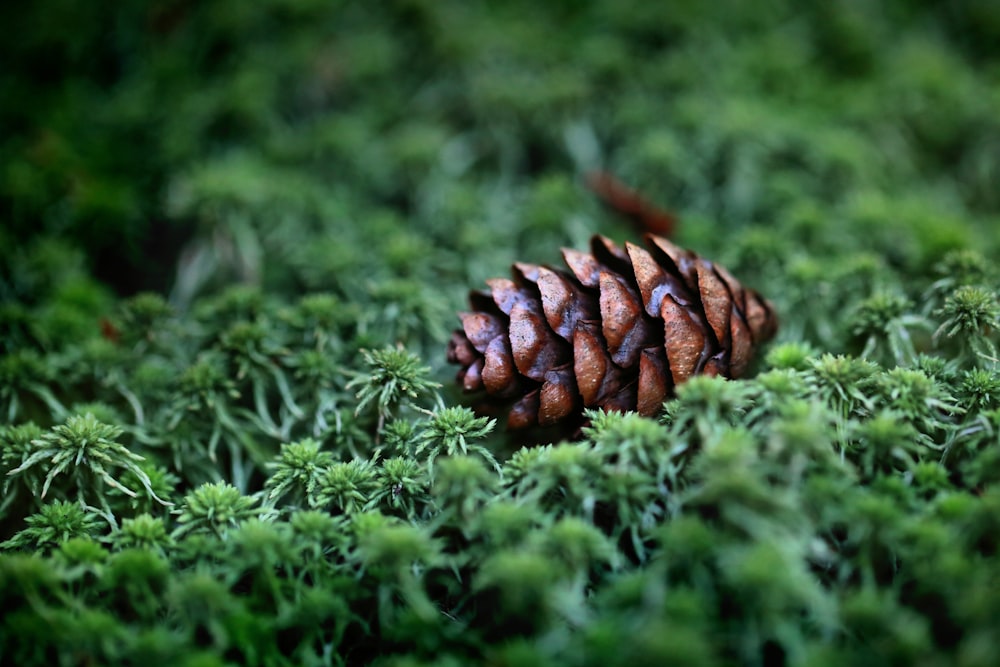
{"x": 384, "y": 147}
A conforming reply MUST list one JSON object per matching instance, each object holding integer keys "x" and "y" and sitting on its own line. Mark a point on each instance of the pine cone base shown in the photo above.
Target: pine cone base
{"x": 618, "y": 331}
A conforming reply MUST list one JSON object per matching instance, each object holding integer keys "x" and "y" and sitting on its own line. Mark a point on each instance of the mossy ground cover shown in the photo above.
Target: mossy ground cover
{"x": 234, "y": 237}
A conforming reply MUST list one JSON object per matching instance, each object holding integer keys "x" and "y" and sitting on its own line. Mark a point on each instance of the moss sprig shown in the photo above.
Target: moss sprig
{"x": 214, "y": 509}
{"x": 296, "y": 474}
{"x": 393, "y": 377}
{"x": 886, "y": 325}
{"x": 55, "y": 523}
{"x": 969, "y": 317}
{"x": 453, "y": 432}
{"x": 87, "y": 452}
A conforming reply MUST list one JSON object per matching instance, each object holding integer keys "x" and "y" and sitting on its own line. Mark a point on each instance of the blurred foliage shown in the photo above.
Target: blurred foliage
{"x": 232, "y": 239}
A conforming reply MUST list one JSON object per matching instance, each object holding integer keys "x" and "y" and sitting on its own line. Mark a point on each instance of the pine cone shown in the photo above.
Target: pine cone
{"x": 618, "y": 332}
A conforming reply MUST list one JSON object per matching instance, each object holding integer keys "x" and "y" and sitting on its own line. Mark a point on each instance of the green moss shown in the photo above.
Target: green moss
{"x": 234, "y": 236}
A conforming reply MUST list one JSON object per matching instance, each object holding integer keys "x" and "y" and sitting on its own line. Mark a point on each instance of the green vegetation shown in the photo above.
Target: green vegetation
{"x": 233, "y": 237}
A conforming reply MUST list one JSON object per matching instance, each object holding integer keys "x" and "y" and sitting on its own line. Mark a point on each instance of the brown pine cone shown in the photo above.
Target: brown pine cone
{"x": 618, "y": 331}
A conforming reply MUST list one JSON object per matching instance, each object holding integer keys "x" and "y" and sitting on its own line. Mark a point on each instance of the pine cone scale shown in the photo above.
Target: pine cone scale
{"x": 589, "y": 363}
{"x": 761, "y": 320}
{"x": 481, "y": 328}
{"x": 684, "y": 339}
{"x": 716, "y": 303}
{"x": 655, "y": 382}
{"x": 472, "y": 380}
{"x": 506, "y": 294}
{"x": 624, "y": 326}
{"x": 619, "y": 331}
{"x": 558, "y": 396}
{"x": 563, "y": 303}
{"x": 499, "y": 373}
{"x": 585, "y": 267}
{"x": 524, "y": 413}
{"x": 535, "y": 347}
{"x": 460, "y": 350}
{"x": 596, "y": 374}
{"x": 679, "y": 262}
{"x": 650, "y": 277}
{"x": 742, "y": 344}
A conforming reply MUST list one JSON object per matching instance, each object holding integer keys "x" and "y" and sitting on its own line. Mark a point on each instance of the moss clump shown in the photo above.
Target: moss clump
{"x": 234, "y": 237}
